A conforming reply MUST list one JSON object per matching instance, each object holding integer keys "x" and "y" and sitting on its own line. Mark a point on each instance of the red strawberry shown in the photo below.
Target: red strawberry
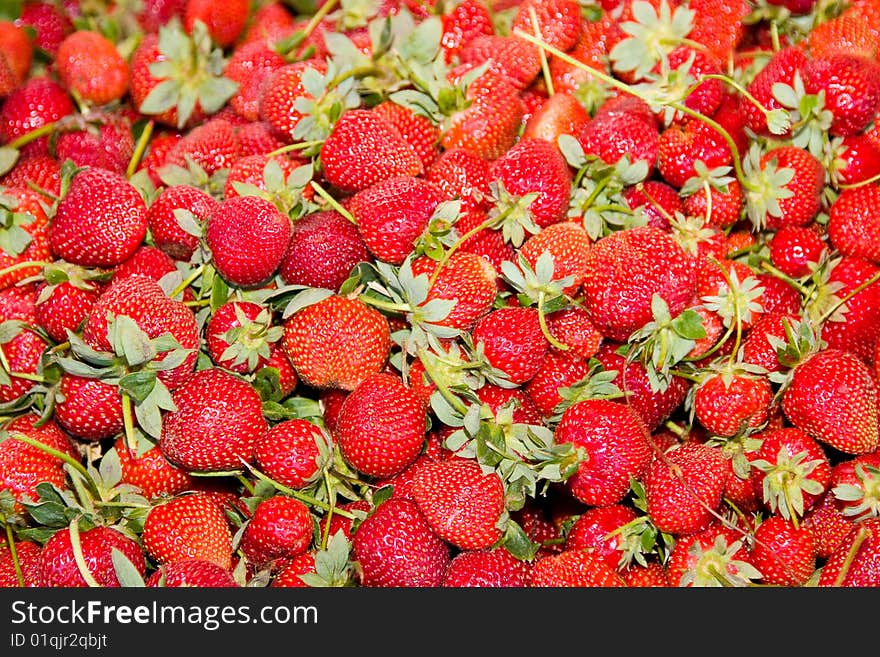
{"x": 364, "y": 149}
{"x": 560, "y": 114}
{"x": 145, "y": 261}
{"x": 418, "y": 131}
{"x": 560, "y": 369}
{"x": 462, "y": 504}
{"x": 790, "y": 471}
{"x": 797, "y": 250}
{"x": 719, "y": 25}
{"x": 248, "y": 237}
{"x": 805, "y": 201}
{"x": 337, "y": 342}
{"x": 779, "y": 69}
{"x": 16, "y": 58}
{"x": 141, "y": 298}
{"x": 568, "y": 243}
{"x": 461, "y": 174}
{"x": 225, "y": 21}
{"x": 464, "y": 22}
{"x": 281, "y": 527}
{"x": 815, "y": 402}
{"x": 509, "y": 57}
{"x": 757, "y": 347}
{"x": 512, "y": 341}
{"x": 625, "y": 269}
{"x": 191, "y": 526}
{"x": 24, "y": 234}
{"x": 855, "y": 160}
{"x": 658, "y": 201}
{"x": 289, "y": 574}
{"x": 280, "y": 91}
{"x": 292, "y": 452}
{"x": 855, "y": 483}
{"x": 191, "y": 573}
{"x": 729, "y": 402}
{"x": 856, "y": 562}
{"x": 716, "y": 208}
{"x": 324, "y": 249}
{"x": 650, "y": 575}
{"x": 100, "y": 221}
{"x": 239, "y": 335}
{"x": 714, "y": 556}
{"x": 827, "y": 525}
{"x": 850, "y": 89}
{"x": 599, "y": 530}
{"x": 683, "y": 488}
{"x": 40, "y": 169}
{"x": 612, "y": 135}
{"x": 60, "y": 569}
{"x": 162, "y": 219}
{"x": 50, "y": 24}
{"x": 492, "y": 568}
{"x": 213, "y": 146}
{"x": 854, "y": 280}
{"x": 28, "y": 555}
{"x": 679, "y": 147}
{"x": 90, "y": 409}
{"x": 218, "y": 421}
{"x": 102, "y": 139}
{"x": 37, "y": 102}
{"x": 395, "y": 547}
{"x": 573, "y": 327}
{"x": 465, "y": 278}
{"x": 150, "y": 472}
{"x": 615, "y": 441}
{"x": 782, "y": 552}
{"x": 381, "y": 426}
{"x": 393, "y": 213}
{"x": 573, "y": 568}
{"x": 91, "y": 68}
{"x": 559, "y": 21}
{"x": 853, "y": 227}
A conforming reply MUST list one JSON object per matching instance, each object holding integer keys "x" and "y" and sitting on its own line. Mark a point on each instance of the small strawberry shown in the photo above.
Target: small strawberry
{"x": 24, "y": 234}
{"x": 189, "y": 526}
{"x": 218, "y": 421}
{"x": 97, "y": 139}
{"x": 461, "y": 174}
{"x": 658, "y": 201}
{"x": 855, "y": 483}
{"x": 225, "y": 21}
{"x": 683, "y": 488}
{"x": 601, "y": 530}
{"x": 850, "y": 90}
{"x": 59, "y": 566}
{"x": 512, "y": 341}
{"x": 797, "y": 250}
{"x": 616, "y": 446}
{"x": 239, "y": 335}
{"x": 150, "y": 472}
{"x": 213, "y": 146}
{"x": 418, "y": 131}
{"x": 568, "y": 243}
{"x": 337, "y": 342}
{"x": 509, "y": 57}
{"x": 462, "y": 504}
{"x": 780, "y": 68}
{"x": 730, "y": 401}
{"x": 281, "y": 527}
{"x": 35, "y": 103}
{"x": 714, "y": 556}
{"x": 166, "y": 228}
{"x": 573, "y": 568}
{"x": 464, "y": 22}
{"x": 782, "y": 552}
{"x": 395, "y": 547}
{"x": 16, "y": 58}
{"x": 49, "y": 23}
{"x": 89, "y": 409}
{"x": 293, "y": 452}
{"x": 611, "y": 135}
{"x": 827, "y": 525}
{"x": 560, "y": 370}
{"x": 796, "y": 202}
{"x": 381, "y": 426}
{"x": 492, "y": 568}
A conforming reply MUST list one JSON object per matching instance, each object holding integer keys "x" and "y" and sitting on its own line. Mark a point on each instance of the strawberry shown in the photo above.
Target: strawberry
{"x": 364, "y": 149}
{"x": 189, "y": 526}
{"x": 716, "y": 207}
{"x": 489, "y": 125}
{"x": 225, "y": 21}
{"x": 797, "y": 250}
{"x": 395, "y": 547}
{"x": 615, "y": 442}
{"x": 16, "y": 58}
{"x": 509, "y": 57}
{"x": 462, "y": 504}
{"x": 757, "y": 347}
{"x": 853, "y": 281}
{"x": 90, "y": 409}
{"x": 780, "y": 68}
{"x": 854, "y": 483}
{"x": 218, "y": 421}
{"x": 192, "y": 572}
{"x": 288, "y": 576}
{"x": 464, "y": 22}
{"x": 49, "y": 23}
{"x": 719, "y": 25}
{"x": 853, "y": 229}
{"x": 730, "y": 401}
{"x": 568, "y": 243}
{"x": 813, "y": 401}
{"x": 599, "y": 530}
{"x": 150, "y": 472}
{"x": 827, "y": 525}
{"x": 512, "y": 341}
{"x": 573, "y": 327}
{"x": 650, "y": 575}
{"x": 99, "y": 139}
{"x": 39, "y": 169}
{"x": 855, "y": 159}
{"x": 163, "y": 223}
{"x": 560, "y": 369}
{"x": 248, "y": 237}
{"x": 856, "y": 562}
{"x": 790, "y": 471}
{"x": 679, "y": 147}
{"x": 626, "y": 269}
{"x": 324, "y": 249}
{"x": 59, "y": 566}
{"x": 611, "y": 135}
{"x": 239, "y": 335}
{"x": 281, "y": 527}
{"x": 100, "y": 221}
{"x": 24, "y": 234}
{"x": 213, "y": 146}
{"x": 381, "y": 426}
{"x": 803, "y": 204}
{"x": 292, "y": 452}
{"x": 24, "y": 466}
{"x": 465, "y": 278}
{"x": 28, "y": 555}
{"x": 418, "y": 131}
{"x": 141, "y": 298}
{"x": 280, "y": 91}
{"x": 536, "y": 165}
{"x": 146, "y": 261}
{"x": 850, "y": 90}
{"x": 560, "y": 114}
{"x": 714, "y": 556}
{"x": 683, "y": 488}
{"x": 782, "y": 552}
{"x": 461, "y": 174}
{"x": 558, "y": 21}
{"x": 393, "y": 213}
{"x": 91, "y": 68}
{"x": 491, "y": 568}
{"x": 35, "y": 103}
{"x": 658, "y": 201}
{"x": 573, "y": 568}
{"x": 337, "y": 342}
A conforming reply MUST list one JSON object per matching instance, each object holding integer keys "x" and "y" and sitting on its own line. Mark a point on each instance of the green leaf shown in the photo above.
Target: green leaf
{"x": 163, "y": 97}
{"x": 518, "y": 543}
{"x": 126, "y": 572}
{"x": 8, "y": 158}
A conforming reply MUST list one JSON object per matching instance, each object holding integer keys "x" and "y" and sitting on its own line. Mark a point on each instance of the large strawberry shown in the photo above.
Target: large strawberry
{"x": 91, "y": 68}
{"x": 395, "y": 547}
{"x": 60, "y": 567}
{"x": 185, "y": 527}
{"x": 381, "y": 425}
{"x": 616, "y": 446}
{"x": 100, "y": 221}
{"x": 337, "y": 342}
{"x": 218, "y": 421}
{"x": 462, "y": 504}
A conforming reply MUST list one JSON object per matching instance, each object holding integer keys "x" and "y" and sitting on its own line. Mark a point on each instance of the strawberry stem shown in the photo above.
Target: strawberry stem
{"x": 302, "y": 497}
{"x": 140, "y": 149}
{"x": 861, "y": 535}
{"x": 849, "y": 295}
{"x": 13, "y": 552}
{"x": 76, "y": 546}
{"x": 23, "y": 265}
{"x": 131, "y": 439}
{"x": 76, "y": 465}
{"x": 187, "y": 281}
{"x": 542, "y": 319}
{"x": 33, "y": 135}
{"x": 545, "y": 67}
{"x": 785, "y": 277}
{"x": 336, "y": 205}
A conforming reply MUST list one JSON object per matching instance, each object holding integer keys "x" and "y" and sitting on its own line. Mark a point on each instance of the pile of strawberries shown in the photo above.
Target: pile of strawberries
{"x": 389, "y": 293}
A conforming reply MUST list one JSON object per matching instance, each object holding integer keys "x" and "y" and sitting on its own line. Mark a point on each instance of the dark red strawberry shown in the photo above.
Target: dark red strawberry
{"x": 492, "y": 568}
{"x": 150, "y": 472}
